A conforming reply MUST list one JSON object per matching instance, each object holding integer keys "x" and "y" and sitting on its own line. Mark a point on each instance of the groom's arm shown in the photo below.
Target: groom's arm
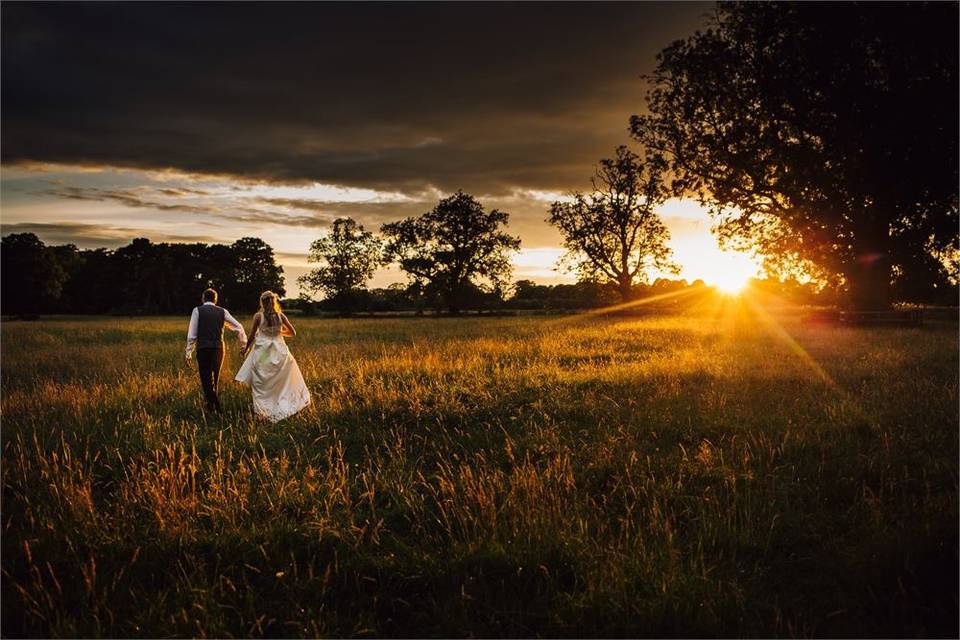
{"x": 231, "y": 323}
{"x": 192, "y": 332}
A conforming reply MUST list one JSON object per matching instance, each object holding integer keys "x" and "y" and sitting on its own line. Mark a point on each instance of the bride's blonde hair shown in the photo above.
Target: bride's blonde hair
{"x": 270, "y": 308}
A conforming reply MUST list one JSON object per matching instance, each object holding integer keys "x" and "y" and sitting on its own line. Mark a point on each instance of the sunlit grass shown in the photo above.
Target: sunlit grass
{"x": 726, "y": 472}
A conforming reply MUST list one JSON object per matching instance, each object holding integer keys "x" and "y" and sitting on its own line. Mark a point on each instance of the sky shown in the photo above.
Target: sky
{"x": 210, "y": 122}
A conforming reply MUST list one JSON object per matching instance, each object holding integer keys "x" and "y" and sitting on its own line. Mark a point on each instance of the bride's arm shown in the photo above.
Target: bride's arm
{"x": 253, "y": 332}
{"x": 288, "y": 329}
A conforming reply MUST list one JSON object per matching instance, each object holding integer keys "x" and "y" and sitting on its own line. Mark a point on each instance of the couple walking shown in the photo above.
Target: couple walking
{"x": 269, "y": 368}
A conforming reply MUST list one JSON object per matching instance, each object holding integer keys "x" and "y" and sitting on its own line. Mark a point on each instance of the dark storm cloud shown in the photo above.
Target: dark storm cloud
{"x": 484, "y": 97}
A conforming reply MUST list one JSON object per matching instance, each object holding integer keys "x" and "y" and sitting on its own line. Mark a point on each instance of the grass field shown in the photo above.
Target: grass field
{"x": 721, "y": 473}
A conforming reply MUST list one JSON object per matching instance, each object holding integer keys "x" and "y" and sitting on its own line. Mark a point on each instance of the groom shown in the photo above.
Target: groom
{"x": 206, "y": 334}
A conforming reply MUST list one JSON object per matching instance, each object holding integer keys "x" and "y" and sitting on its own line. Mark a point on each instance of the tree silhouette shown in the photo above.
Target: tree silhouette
{"x": 139, "y": 278}
{"x": 348, "y": 257}
{"x": 215, "y": 269}
{"x": 614, "y": 233}
{"x": 32, "y": 278}
{"x": 452, "y": 249}
{"x": 824, "y": 135}
{"x": 254, "y": 271}
{"x": 91, "y": 285}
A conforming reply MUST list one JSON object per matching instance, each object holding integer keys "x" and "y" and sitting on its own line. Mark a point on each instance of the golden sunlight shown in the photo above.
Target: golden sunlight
{"x": 731, "y": 285}
{"x": 732, "y": 272}
{"x": 696, "y": 250}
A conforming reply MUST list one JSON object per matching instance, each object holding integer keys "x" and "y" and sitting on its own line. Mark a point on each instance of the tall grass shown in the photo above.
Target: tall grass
{"x": 699, "y": 475}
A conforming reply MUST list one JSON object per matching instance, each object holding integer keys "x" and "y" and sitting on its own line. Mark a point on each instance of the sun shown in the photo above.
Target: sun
{"x": 731, "y": 272}
{"x": 731, "y": 283}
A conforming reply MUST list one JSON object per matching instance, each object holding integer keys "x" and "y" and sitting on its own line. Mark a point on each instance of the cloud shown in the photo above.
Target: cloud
{"x": 257, "y": 216}
{"x": 128, "y": 197}
{"x": 182, "y": 191}
{"x": 401, "y": 97}
{"x": 368, "y": 213}
{"x": 133, "y": 197}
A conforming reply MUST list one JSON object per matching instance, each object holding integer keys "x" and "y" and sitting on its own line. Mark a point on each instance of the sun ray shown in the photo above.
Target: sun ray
{"x": 708, "y": 305}
{"x": 776, "y": 329}
{"x": 616, "y": 308}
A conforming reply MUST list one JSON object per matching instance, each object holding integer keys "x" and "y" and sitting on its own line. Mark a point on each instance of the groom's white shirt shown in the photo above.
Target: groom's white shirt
{"x": 228, "y": 320}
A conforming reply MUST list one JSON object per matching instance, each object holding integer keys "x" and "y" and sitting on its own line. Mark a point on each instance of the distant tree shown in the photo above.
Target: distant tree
{"x": 68, "y": 259}
{"x": 31, "y": 277}
{"x": 452, "y": 249}
{"x": 141, "y": 277}
{"x": 182, "y": 273}
{"x": 395, "y": 297}
{"x": 793, "y": 291}
{"x": 254, "y": 271}
{"x": 613, "y": 233}
{"x": 216, "y": 270}
{"x": 666, "y": 285}
{"x": 823, "y": 135}
{"x": 150, "y": 277}
{"x": 527, "y": 294}
{"x": 586, "y": 294}
{"x": 348, "y": 257}
{"x": 93, "y": 284}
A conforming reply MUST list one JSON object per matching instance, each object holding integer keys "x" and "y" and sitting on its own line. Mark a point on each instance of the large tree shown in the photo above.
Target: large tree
{"x": 823, "y": 135}
{"x": 254, "y": 272}
{"x": 348, "y": 257}
{"x": 32, "y": 277}
{"x": 613, "y": 233}
{"x": 453, "y": 248}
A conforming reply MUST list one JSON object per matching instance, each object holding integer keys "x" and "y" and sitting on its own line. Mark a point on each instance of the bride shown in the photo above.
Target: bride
{"x": 278, "y": 387}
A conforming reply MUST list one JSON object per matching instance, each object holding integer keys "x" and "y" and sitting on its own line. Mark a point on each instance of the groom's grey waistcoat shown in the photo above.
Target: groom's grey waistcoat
{"x": 210, "y": 326}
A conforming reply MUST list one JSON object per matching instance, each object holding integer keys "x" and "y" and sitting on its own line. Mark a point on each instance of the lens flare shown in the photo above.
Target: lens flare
{"x": 731, "y": 272}
{"x": 731, "y": 283}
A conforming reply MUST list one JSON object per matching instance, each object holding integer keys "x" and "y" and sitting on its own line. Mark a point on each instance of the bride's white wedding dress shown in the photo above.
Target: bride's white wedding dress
{"x": 273, "y": 375}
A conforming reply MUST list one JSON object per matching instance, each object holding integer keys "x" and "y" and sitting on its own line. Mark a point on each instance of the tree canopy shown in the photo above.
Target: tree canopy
{"x": 348, "y": 257}
{"x": 140, "y": 278}
{"x": 455, "y": 247}
{"x": 254, "y": 271}
{"x": 32, "y": 276}
{"x": 614, "y": 233}
{"x": 824, "y": 136}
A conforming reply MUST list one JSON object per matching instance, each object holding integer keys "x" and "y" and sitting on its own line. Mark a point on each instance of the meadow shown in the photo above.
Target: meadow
{"x": 726, "y": 471}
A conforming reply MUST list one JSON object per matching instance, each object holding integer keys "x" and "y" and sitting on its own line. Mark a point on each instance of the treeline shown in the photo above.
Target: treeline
{"x": 523, "y": 295}
{"x": 139, "y": 278}
{"x": 527, "y": 295}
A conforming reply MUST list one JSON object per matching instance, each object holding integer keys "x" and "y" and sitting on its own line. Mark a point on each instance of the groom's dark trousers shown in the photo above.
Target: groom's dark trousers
{"x": 209, "y": 361}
